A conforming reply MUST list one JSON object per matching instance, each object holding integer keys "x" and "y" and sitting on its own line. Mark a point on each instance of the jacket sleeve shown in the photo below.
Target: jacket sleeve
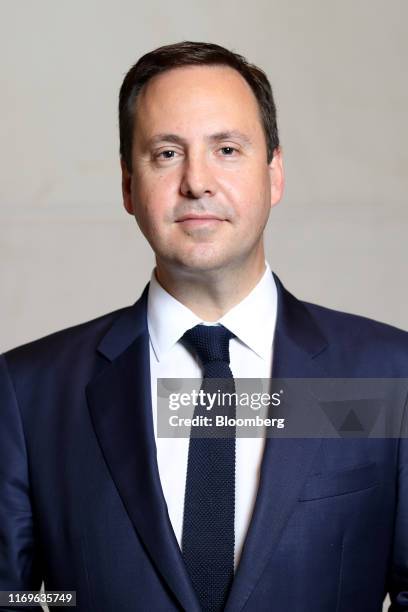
{"x": 20, "y": 567}
{"x": 398, "y": 584}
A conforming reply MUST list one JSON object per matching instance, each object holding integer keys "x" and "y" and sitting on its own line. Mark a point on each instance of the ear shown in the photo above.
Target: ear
{"x": 277, "y": 176}
{"x": 126, "y": 188}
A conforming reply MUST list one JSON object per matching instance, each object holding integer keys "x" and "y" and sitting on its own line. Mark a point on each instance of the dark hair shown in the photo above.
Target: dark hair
{"x": 189, "y": 53}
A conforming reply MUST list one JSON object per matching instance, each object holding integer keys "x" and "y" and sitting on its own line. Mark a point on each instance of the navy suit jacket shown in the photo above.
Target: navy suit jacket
{"x": 81, "y": 504}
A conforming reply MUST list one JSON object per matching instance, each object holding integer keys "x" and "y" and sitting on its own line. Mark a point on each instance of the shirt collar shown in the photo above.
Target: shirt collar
{"x": 252, "y": 320}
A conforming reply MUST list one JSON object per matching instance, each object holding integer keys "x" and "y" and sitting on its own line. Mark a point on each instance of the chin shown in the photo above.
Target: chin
{"x": 202, "y": 257}
{"x": 207, "y": 263}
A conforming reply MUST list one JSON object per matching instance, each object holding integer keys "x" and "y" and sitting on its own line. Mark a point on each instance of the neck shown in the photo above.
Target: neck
{"x": 211, "y": 293}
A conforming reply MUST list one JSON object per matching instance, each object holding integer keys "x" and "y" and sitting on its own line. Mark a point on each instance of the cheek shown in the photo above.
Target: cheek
{"x": 249, "y": 194}
{"x": 153, "y": 202}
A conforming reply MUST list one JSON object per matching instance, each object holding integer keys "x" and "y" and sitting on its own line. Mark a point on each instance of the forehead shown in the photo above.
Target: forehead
{"x": 193, "y": 97}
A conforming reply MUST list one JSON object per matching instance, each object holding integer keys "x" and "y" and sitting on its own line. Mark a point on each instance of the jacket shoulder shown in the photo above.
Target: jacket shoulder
{"x": 343, "y": 322}
{"x": 364, "y": 340}
{"x": 82, "y": 338}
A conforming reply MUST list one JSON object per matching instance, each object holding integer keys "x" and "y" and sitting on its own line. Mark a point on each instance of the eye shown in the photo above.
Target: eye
{"x": 228, "y": 151}
{"x": 167, "y": 154}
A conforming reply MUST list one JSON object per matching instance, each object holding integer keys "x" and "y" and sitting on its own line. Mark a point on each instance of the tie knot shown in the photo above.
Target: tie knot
{"x": 210, "y": 342}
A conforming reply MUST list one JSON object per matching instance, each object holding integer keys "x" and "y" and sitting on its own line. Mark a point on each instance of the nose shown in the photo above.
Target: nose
{"x": 198, "y": 179}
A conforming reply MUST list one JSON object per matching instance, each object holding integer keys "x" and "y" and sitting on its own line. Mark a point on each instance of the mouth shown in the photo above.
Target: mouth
{"x": 194, "y": 220}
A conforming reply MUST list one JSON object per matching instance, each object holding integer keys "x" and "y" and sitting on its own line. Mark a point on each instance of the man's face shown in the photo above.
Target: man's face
{"x": 201, "y": 188}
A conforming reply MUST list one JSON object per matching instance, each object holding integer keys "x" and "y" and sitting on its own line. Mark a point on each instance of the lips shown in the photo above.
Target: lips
{"x": 193, "y": 217}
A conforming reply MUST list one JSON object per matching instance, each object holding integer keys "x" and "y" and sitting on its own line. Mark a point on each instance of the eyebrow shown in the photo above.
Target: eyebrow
{"x": 217, "y": 137}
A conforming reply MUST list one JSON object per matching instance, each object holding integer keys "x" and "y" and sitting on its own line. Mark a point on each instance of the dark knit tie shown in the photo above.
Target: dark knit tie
{"x": 208, "y": 524}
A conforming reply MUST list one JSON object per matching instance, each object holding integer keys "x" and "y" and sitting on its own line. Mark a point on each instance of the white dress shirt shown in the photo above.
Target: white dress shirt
{"x": 253, "y": 322}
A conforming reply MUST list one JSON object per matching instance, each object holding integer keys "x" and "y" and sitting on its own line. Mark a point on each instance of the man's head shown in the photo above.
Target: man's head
{"x": 198, "y": 137}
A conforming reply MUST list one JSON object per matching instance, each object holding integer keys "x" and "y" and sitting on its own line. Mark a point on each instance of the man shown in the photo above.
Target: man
{"x": 92, "y": 499}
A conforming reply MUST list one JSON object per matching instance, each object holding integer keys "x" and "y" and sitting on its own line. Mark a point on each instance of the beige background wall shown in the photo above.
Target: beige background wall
{"x": 68, "y": 251}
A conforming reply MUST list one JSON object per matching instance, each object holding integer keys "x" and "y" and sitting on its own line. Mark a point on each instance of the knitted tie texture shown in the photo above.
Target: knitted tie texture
{"x": 209, "y": 505}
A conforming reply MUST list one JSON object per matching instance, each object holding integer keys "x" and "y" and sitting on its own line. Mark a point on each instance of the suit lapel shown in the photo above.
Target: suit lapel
{"x": 119, "y": 400}
{"x": 286, "y": 462}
